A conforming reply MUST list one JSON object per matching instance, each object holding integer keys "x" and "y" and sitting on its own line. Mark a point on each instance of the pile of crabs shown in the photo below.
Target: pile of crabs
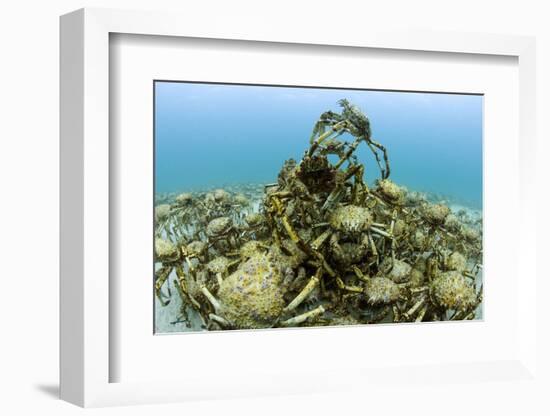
{"x": 322, "y": 247}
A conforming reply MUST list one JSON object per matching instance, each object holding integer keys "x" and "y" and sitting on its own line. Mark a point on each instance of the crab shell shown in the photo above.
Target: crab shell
{"x": 381, "y": 291}
{"x": 452, "y": 222}
{"x": 418, "y": 239}
{"x": 254, "y": 219}
{"x": 184, "y": 198}
{"x": 221, "y": 195}
{"x": 417, "y": 277}
{"x": 390, "y": 190}
{"x": 162, "y": 212}
{"x": 348, "y": 253}
{"x": 252, "y": 296}
{"x": 218, "y": 265}
{"x": 165, "y": 251}
{"x": 351, "y": 219}
{"x": 470, "y": 233}
{"x": 452, "y": 291}
{"x": 250, "y": 248}
{"x": 456, "y": 261}
{"x": 288, "y": 254}
{"x": 400, "y": 272}
{"x": 219, "y": 226}
{"x": 436, "y": 213}
{"x": 241, "y": 200}
{"x": 399, "y": 228}
{"x": 196, "y": 248}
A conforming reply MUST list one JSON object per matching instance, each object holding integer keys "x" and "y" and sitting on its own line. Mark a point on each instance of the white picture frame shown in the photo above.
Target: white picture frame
{"x": 85, "y": 211}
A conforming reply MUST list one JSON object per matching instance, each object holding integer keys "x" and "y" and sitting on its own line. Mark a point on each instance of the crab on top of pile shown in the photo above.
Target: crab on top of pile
{"x": 322, "y": 248}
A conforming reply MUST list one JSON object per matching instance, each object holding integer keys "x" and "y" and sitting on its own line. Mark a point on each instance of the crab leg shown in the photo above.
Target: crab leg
{"x": 385, "y": 172}
{"x": 407, "y": 315}
{"x": 311, "y": 285}
{"x": 360, "y": 274}
{"x": 222, "y": 321}
{"x": 373, "y": 246}
{"x": 298, "y": 240}
{"x": 392, "y": 226}
{"x": 183, "y": 288}
{"x": 343, "y": 286}
{"x": 421, "y": 314}
{"x": 160, "y": 278}
{"x": 396, "y": 313}
{"x": 304, "y": 317}
{"x": 215, "y": 303}
{"x": 335, "y": 129}
{"x": 319, "y": 241}
{"x": 332, "y": 199}
{"x": 378, "y": 231}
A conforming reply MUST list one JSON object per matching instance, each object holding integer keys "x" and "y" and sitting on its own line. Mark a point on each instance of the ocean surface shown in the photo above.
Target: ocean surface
{"x": 213, "y": 135}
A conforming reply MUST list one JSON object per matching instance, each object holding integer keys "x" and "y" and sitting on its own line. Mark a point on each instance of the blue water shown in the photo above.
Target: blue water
{"x": 209, "y": 135}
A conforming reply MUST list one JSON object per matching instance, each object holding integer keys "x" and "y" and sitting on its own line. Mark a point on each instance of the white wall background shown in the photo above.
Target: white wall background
{"x": 29, "y": 56}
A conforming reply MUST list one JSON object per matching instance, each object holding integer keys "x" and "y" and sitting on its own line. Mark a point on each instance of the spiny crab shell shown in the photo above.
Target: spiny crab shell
{"x": 390, "y": 191}
{"x": 360, "y": 123}
{"x": 196, "y": 248}
{"x": 219, "y": 226}
{"x": 456, "y": 261}
{"x": 452, "y": 291}
{"x": 400, "y": 271}
{"x": 348, "y": 253}
{"x": 252, "y": 296}
{"x": 218, "y": 265}
{"x": 165, "y": 251}
{"x": 221, "y": 195}
{"x": 254, "y": 219}
{"x": 470, "y": 233}
{"x": 316, "y": 173}
{"x": 436, "y": 213}
{"x": 351, "y": 219}
{"x": 381, "y": 291}
{"x": 184, "y": 198}
{"x": 162, "y": 212}
{"x": 241, "y": 199}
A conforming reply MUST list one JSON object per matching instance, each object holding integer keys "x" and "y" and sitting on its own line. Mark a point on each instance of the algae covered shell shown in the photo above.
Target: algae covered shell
{"x": 218, "y": 265}
{"x": 254, "y": 219}
{"x": 400, "y": 272}
{"x": 252, "y": 297}
{"x": 452, "y": 291}
{"x": 162, "y": 212}
{"x": 250, "y": 248}
{"x": 399, "y": 228}
{"x": 196, "y": 248}
{"x": 165, "y": 251}
{"x": 389, "y": 190}
{"x": 184, "y": 198}
{"x": 351, "y": 219}
{"x": 456, "y": 261}
{"x": 381, "y": 290}
{"x": 436, "y": 213}
{"x": 471, "y": 234}
{"x": 241, "y": 200}
{"x": 452, "y": 222}
{"x": 221, "y": 195}
{"x": 219, "y": 226}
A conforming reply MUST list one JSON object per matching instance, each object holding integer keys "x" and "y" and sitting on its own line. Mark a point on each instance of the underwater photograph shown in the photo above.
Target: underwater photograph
{"x": 283, "y": 206}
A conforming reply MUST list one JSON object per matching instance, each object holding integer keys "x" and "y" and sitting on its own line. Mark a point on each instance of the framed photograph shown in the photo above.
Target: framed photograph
{"x": 266, "y": 217}
{"x": 286, "y": 213}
